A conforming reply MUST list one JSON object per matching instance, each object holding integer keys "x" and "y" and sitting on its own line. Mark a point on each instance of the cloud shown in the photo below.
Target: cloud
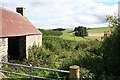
{"x": 64, "y": 12}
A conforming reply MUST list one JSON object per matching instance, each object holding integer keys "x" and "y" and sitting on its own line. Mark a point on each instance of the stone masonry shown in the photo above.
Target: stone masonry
{"x": 3, "y": 49}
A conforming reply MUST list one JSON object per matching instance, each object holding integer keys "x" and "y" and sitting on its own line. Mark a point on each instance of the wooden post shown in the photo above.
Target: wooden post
{"x": 74, "y": 73}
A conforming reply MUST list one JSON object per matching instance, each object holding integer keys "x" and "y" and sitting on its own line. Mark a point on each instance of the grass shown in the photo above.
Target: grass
{"x": 98, "y": 30}
{"x": 72, "y": 38}
{"x": 68, "y": 34}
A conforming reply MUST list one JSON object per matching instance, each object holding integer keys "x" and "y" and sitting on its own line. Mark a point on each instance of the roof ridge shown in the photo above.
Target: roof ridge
{"x": 10, "y": 10}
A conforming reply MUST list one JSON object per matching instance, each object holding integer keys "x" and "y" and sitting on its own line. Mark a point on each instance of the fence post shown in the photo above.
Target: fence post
{"x": 74, "y": 73}
{"x": 30, "y": 71}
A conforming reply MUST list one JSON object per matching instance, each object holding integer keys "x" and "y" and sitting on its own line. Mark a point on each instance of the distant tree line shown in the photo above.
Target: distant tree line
{"x": 50, "y": 32}
{"x": 58, "y": 29}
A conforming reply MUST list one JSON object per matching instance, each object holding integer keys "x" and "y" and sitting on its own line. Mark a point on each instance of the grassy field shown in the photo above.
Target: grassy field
{"x": 94, "y": 33}
{"x": 69, "y": 35}
{"x": 98, "y": 30}
{"x": 72, "y": 38}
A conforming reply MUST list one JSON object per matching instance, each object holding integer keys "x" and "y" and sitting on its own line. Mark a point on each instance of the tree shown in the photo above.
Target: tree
{"x": 111, "y": 49}
{"x": 113, "y": 21}
{"x": 81, "y": 31}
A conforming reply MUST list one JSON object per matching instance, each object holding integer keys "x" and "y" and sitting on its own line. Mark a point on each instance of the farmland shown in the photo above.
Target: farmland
{"x": 98, "y": 30}
{"x": 94, "y": 33}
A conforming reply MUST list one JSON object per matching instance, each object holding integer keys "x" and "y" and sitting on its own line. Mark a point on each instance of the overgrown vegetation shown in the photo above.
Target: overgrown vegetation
{"x": 98, "y": 60}
{"x": 58, "y": 53}
{"x": 110, "y": 49}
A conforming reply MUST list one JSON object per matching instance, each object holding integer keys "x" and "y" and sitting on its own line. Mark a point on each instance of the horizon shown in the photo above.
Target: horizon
{"x": 74, "y": 28}
{"x": 65, "y": 14}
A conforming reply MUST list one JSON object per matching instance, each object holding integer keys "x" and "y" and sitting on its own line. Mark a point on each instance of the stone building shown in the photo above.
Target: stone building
{"x": 17, "y": 34}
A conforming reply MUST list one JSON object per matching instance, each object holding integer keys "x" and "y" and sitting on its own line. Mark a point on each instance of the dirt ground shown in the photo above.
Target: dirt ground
{"x": 96, "y": 35}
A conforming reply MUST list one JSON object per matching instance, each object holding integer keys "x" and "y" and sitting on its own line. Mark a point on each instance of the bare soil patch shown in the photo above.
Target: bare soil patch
{"x": 96, "y": 35}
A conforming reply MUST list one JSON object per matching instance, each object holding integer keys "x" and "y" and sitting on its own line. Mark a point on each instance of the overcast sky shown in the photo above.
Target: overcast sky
{"x": 65, "y": 13}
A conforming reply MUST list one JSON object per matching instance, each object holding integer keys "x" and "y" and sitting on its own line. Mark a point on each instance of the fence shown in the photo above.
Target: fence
{"x": 73, "y": 73}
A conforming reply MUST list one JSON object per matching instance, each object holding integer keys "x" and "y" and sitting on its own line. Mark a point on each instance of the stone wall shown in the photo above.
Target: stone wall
{"x": 31, "y": 40}
{"x": 3, "y": 49}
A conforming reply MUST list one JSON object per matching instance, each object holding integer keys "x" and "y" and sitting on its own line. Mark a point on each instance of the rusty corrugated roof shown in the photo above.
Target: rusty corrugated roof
{"x": 14, "y": 24}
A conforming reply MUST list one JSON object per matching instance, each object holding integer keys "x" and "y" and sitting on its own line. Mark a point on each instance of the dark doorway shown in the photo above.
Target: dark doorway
{"x": 16, "y": 48}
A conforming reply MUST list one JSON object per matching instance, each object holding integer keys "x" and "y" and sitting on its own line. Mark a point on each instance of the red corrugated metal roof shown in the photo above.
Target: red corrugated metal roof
{"x": 14, "y": 24}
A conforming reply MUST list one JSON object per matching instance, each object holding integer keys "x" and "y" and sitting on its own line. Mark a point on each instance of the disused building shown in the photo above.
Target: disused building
{"x": 17, "y": 34}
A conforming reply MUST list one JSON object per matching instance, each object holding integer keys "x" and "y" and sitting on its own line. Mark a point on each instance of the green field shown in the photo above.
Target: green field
{"x": 98, "y": 30}
{"x": 69, "y": 33}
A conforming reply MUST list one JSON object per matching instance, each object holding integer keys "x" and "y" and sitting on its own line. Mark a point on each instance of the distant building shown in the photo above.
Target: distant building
{"x": 17, "y": 34}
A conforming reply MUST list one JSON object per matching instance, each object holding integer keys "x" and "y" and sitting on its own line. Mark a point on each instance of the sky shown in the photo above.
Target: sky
{"x": 49, "y": 14}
